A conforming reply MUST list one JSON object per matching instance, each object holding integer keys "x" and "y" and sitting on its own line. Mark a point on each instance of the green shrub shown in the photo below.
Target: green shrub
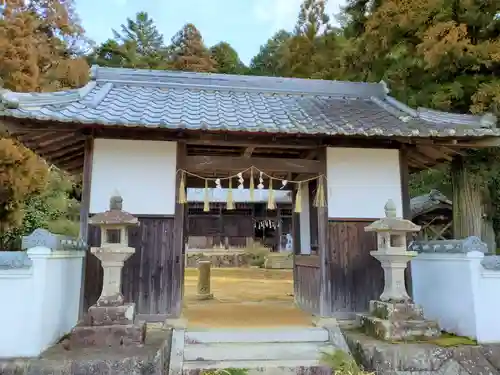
{"x": 342, "y": 364}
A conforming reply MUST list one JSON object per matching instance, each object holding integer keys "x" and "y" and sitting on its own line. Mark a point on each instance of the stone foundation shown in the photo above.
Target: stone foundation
{"x": 279, "y": 261}
{"x": 109, "y": 326}
{"x": 422, "y": 359}
{"x": 110, "y": 315}
{"x": 108, "y": 335}
{"x": 397, "y": 322}
{"x": 228, "y": 260}
{"x": 149, "y": 359}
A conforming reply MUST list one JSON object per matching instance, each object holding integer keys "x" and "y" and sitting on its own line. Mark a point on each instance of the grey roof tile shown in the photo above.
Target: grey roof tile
{"x": 201, "y": 101}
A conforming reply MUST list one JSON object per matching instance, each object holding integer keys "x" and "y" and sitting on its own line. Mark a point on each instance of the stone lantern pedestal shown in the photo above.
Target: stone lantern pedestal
{"x": 111, "y": 321}
{"x": 394, "y": 316}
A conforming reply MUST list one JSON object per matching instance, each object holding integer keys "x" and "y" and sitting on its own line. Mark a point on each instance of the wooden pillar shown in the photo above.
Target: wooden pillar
{"x": 179, "y": 240}
{"x": 86, "y": 182}
{"x": 405, "y": 181}
{"x": 405, "y": 199}
{"x": 325, "y": 293}
{"x": 84, "y": 210}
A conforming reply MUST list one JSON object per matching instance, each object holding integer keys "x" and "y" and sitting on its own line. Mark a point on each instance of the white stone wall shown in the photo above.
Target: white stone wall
{"x": 459, "y": 292}
{"x": 361, "y": 181}
{"x": 40, "y": 302}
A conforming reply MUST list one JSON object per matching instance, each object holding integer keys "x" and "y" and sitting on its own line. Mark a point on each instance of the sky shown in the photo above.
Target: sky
{"x": 245, "y": 24}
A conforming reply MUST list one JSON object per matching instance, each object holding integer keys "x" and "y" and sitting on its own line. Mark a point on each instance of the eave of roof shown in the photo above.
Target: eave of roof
{"x": 218, "y": 102}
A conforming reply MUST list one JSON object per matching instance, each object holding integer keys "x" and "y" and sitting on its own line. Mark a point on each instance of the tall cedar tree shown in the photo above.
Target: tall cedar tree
{"x": 308, "y": 43}
{"x": 271, "y": 59}
{"x": 227, "y": 59}
{"x": 41, "y": 46}
{"x": 40, "y": 50}
{"x": 444, "y": 55}
{"x": 139, "y": 44}
{"x": 188, "y": 52}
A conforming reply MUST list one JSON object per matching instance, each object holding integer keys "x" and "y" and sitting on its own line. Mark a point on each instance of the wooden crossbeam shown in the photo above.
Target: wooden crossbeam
{"x": 221, "y": 163}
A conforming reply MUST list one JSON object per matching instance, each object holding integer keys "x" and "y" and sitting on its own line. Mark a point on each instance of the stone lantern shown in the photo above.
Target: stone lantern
{"x": 114, "y": 249}
{"x": 392, "y": 252}
{"x": 111, "y": 321}
{"x": 395, "y": 316}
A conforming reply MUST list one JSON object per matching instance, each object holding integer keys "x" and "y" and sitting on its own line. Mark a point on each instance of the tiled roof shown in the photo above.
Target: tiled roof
{"x": 201, "y": 101}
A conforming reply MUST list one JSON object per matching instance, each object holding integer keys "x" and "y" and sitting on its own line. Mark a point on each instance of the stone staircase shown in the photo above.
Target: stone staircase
{"x": 260, "y": 351}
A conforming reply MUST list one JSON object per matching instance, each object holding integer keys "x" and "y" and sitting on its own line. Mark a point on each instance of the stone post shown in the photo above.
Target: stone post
{"x": 203, "y": 287}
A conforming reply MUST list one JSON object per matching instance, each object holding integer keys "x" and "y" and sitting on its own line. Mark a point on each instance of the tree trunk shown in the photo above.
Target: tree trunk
{"x": 467, "y": 201}
{"x": 488, "y": 232}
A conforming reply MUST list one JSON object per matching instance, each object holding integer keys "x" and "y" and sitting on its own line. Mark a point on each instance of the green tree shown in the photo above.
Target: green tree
{"x": 41, "y": 46}
{"x": 270, "y": 59}
{"x": 309, "y": 42}
{"x": 189, "y": 53}
{"x": 142, "y": 33}
{"x": 227, "y": 59}
{"x": 444, "y": 55}
{"x": 139, "y": 44}
{"x": 22, "y": 174}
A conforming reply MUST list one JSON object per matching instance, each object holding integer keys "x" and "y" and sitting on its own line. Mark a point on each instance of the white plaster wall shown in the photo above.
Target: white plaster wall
{"x": 361, "y": 181}
{"x": 457, "y": 292}
{"x": 487, "y": 306}
{"x": 43, "y": 301}
{"x": 142, "y": 172}
{"x": 442, "y": 285}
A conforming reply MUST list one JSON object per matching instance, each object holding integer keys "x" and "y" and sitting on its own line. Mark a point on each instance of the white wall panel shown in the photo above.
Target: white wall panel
{"x": 361, "y": 181}
{"x": 142, "y": 172}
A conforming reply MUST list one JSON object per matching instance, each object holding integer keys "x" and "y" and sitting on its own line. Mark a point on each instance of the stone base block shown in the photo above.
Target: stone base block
{"x": 108, "y": 336}
{"x": 396, "y": 310}
{"x": 110, "y": 315}
{"x": 279, "y": 261}
{"x": 397, "y": 330}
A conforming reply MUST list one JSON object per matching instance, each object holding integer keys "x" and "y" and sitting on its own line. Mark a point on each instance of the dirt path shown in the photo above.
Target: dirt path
{"x": 244, "y": 297}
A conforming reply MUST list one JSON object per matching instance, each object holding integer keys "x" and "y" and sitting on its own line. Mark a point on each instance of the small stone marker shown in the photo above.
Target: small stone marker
{"x": 203, "y": 287}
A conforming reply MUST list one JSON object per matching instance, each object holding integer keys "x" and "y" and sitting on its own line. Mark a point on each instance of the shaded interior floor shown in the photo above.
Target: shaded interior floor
{"x": 244, "y": 297}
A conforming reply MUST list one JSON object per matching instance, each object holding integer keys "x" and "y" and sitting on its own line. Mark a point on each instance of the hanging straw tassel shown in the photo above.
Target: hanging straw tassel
{"x": 271, "y": 204}
{"x": 230, "y": 200}
{"x": 319, "y": 199}
{"x": 182, "y": 189}
{"x": 206, "y": 201}
{"x": 252, "y": 186}
{"x": 298, "y": 199}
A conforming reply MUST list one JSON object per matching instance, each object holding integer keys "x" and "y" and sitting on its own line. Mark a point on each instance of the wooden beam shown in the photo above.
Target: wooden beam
{"x": 198, "y": 183}
{"x": 433, "y": 153}
{"x": 311, "y": 154}
{"x": 84, "y": 211}
{"x": 248, "y": 152}
{"x": 405, "y": 182}
{"x": 222, "y": 163}
{"x": 178, "y": 239}
{"x": 62, "y": 150}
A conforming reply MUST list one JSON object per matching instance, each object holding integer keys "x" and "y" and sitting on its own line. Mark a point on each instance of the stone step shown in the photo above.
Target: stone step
{"x": 263, "y": 335}
{"x": 275, "y": 367}
{"x": 254, "y": 351}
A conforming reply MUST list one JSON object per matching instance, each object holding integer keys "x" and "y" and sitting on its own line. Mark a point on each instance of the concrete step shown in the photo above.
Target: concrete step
{"x": 263, "y": 335}
{"x": 254, "y": 351}
{"x": 276, "y": 367}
